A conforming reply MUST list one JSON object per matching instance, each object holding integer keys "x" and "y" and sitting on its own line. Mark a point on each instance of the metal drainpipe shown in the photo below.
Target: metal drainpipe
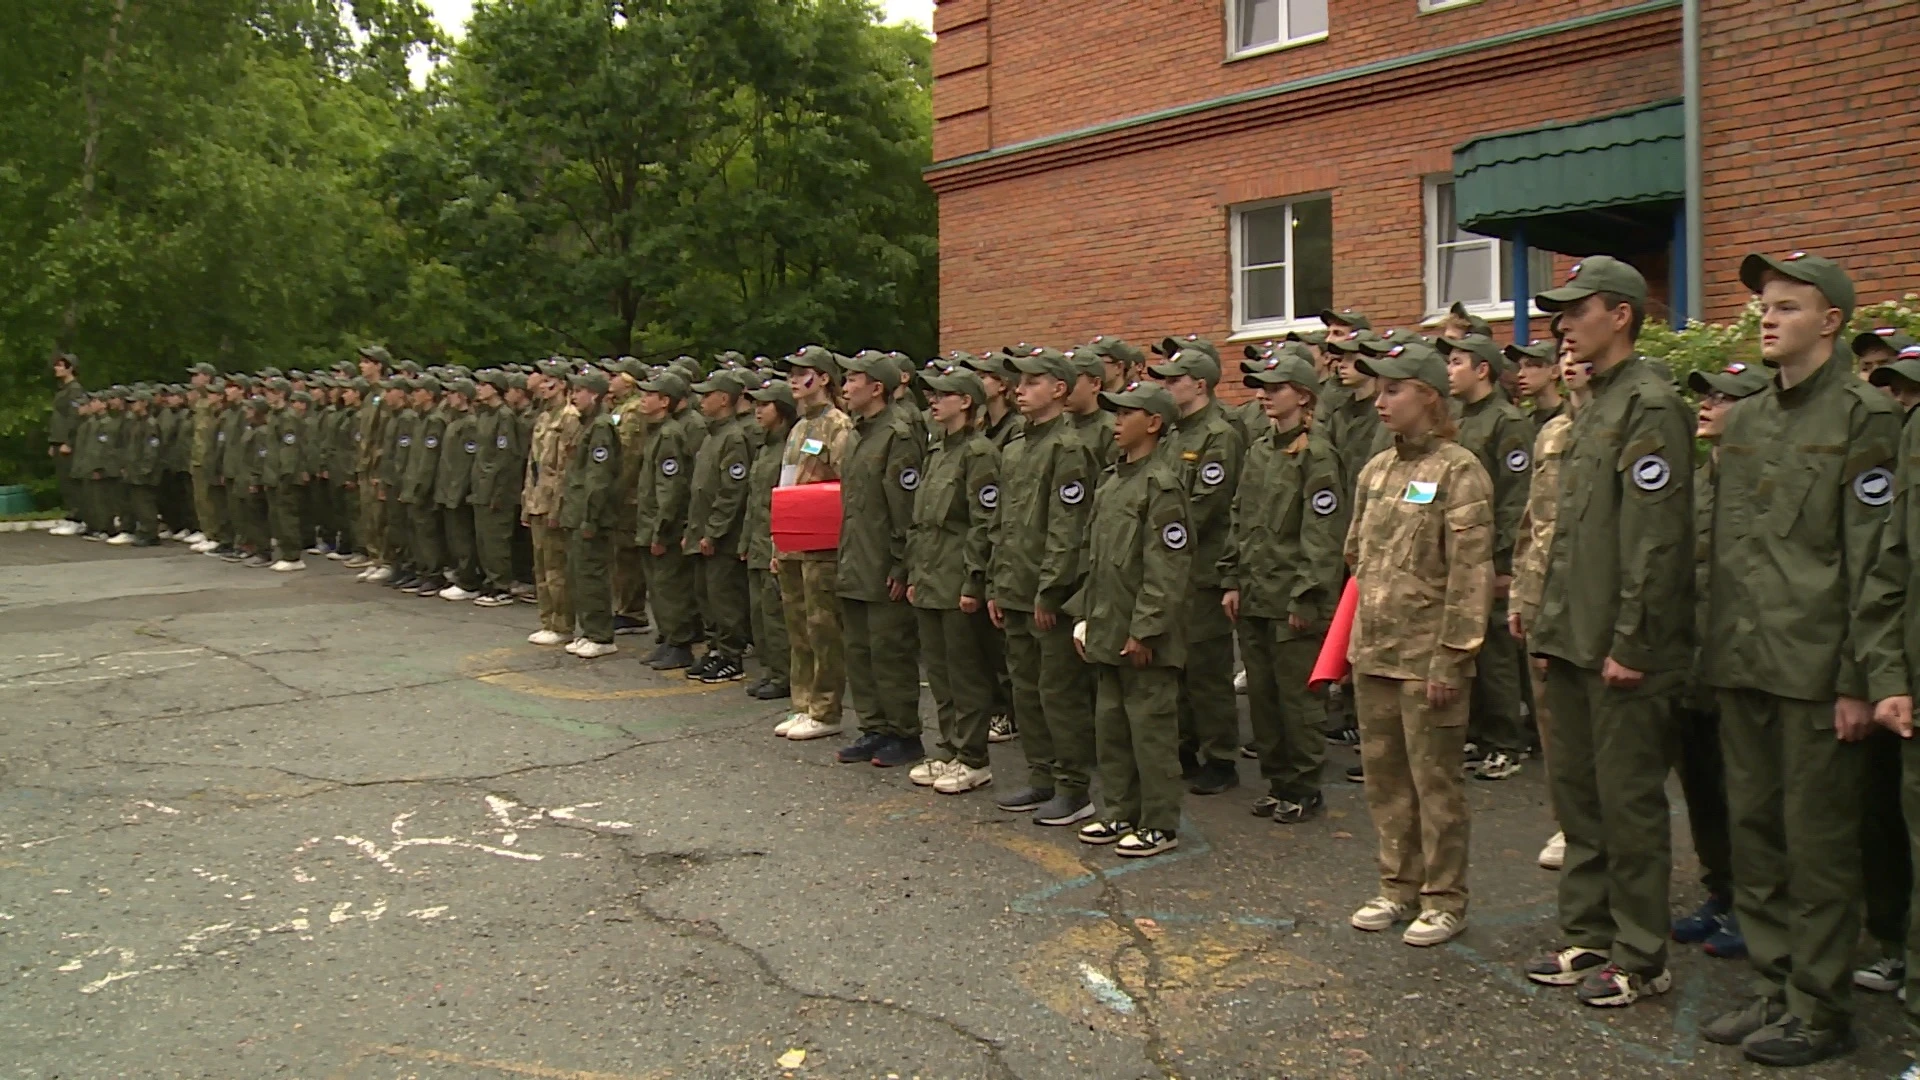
{"x": 1690, "y": 87}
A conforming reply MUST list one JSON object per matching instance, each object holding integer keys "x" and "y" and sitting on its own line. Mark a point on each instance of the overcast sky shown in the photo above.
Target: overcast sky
{"x": 452, "y": 14}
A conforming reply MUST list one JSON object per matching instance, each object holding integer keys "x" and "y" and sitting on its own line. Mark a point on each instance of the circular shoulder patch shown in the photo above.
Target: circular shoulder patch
{"x": 1213, "y": 473}
{"x": 1874, "y": 487}
{"x": 499, "y": 442}
{"x": 219, "y": 436}
{"x": 406, "y": 441}
{"x": 472, "y": 447}
{"x": 1517, "y": 460}
{"x": 1174, "y": 536}
{"x": 668, "y": 467}
{"x": 909, "y": 479}
{"x": 600, "y": 453}
{"x": 433, "y": 441}
{"x": 737, "y": 470}
{"x": 990, "y": 496}
{"x": 1651, "y": 473}
{"x": 1324, "y": 502}
{"x": 1073, "y": 492}
{"x": 287, "y": 438}
{"x": 356, "y": 436}
{"x": 153, "y": 440}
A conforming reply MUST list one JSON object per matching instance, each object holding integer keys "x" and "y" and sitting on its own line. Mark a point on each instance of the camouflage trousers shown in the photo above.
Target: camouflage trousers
{"x": 550, "y": 574}
{"x": 1415, "y": 793}
{"x": 210, "y": 502}
{"x": 816, "y": 660}
{"x": 372, "y": 529}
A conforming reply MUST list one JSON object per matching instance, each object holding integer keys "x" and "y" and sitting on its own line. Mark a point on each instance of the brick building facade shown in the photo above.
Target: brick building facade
{"x": 1228, "y": 167}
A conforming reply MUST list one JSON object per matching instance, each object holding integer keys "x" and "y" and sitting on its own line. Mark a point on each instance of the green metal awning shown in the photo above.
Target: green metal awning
{"x": 1607, "y": 184}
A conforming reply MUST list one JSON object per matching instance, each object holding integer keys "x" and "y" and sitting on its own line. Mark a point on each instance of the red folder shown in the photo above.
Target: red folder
{"x": 806, "y": 517}
{"x": 1332, "y": 665}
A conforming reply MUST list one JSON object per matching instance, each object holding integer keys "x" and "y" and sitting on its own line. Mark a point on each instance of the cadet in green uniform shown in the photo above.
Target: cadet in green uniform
{"x": 402, "y": 426}
{"x": 1498, "y": 434}
{"x": 229, "y": 460}
{"x": 589, "y": 511}
{"x": 1038, "y": 564}
{"x": 1878, "y": 347}
{"x": 494, "y": 488}
{"x": 1537, "y": 368}
{"x": 1281, "y": 574}
{"x": 426, "y": 537}
{"x": 61, "y": 423}
{"x": 110, "y": 467}
{"x": 666, "y": 473}
{"x": 257, "y": 443}
{"x": 343, "y": 470}
{"x": 143, "y": 469}
{"x": 280, "y": 476}
{"x": 371, "y": 433}
{"x": 773, "y": 413}
{"x": 1616, "y": 627}
{"x": 1133, "y": 610}
{"x": 998, "y": 421}
{"x": 948, "y": 555}
{"x": 1804, "y": 483}
{"x": 716, "y": 508}
{"x": 1211, "y": 451}
{"x": 453, "y": 490}
{"x": 877, "y": 485}
{"x": 1094, "y": 424}
{"x": 629, "y": 557}
{"x": 210, "y": 509}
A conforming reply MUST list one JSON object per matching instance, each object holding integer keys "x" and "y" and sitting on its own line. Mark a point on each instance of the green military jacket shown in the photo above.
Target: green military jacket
{"x": 256, "y": 444}
{"x": 109, "y": 435}
{"x": 1888, "y": 617}
{"x": 589, "y": 502}
{"x": 1210, "y": 450}
{"x": 632, "y": 426}
{"x": 402, "y": 429}
{"x": 756, "y": 531}
{"x": 1353, "y": 428}
{"x": 1699, "y": 696}
{"x": 951, "y": 542}
{"x": 666, "y": 476}
{"x": 206, "y": 424}
{"x": 1289, "y": 526}
{"x": 1499, "y": 435}
{"x": 1620, "y": 570}
{"x": 144, "y": 449}
{"x": 63, "y": 420}
{"x": 231, "y": 452}
{"x": 453, "y": 482}
{"x": 285, "y": 449}
{"x": 1804, "y": 485}
{"x": 370, "y": 425}
{"x": 1096, "y": 431}
{"x": 1039, "y": 534}
{"x": 423, "y": 458}
{"x": 496, "y": 479}
{"x": 1140, "y": 555}
{"x": 1539, "y": 415}
{"x": 1000, "y": 432}
{"x": 877, "y": 484}
{"x": 717, "y": 497}
{"x": 1247, "y": 418}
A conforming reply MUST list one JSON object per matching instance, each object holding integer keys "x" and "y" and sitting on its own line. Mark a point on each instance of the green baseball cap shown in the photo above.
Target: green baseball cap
{"x": 1365, "y": 341}
{"x": 1285, "y": 367}
{"x": 721, "y": 381}
{"x": 1051, "y": 362}
{"x": 1821, "y": 273}
{"x": 1088, "y": 362}
{"x": 1417, "y": 362}
{"x": 1114, "y": 348}
{"x": 1538, "y": 351}
{"x": 877, "y": 366}
{"x": 204, "y": 369}
{"x": 1315, "y": 338}
{"x": 1169, "y": 346}
{"x": 1905, "y": 365}
{"x": 463, "y": 387}
{"x": 1737, "y": 380}
{"x": 494, "y": 377}
{"x": 591, "y": 379}
{"x": 957, "y": 381}
{"x": 1147, "y": 395}
{"x": 669, "y": 383}
{"x": 1192, "y": 362}
{"x": 1480, "y": 346}
{"x": 428, "y": 383}
{"x": 376, "y": 353}
{"x": 1347, "y": 317}
{"x": 776, "y": 390}
{"x": 987, "y": 363}
{"x": 1259, "y": 361}
{"x": 1475, "y": 324}
{"x": 409, "y": 367}
{"x": 300, "y": 396}
{"x": 817, "y": 357}
{"x": 1891, "y": 338}
{"x": 1595, "y": 274}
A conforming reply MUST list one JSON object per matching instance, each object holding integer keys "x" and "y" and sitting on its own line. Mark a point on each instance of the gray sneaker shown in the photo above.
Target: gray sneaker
{"x": 1064, "y": 809}
{"x": 1731, "y": 1028}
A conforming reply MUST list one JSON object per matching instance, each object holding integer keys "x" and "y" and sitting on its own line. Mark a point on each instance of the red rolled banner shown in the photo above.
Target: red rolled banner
{"x": 806, "y": 517}
{"x": 1332, "y": 665}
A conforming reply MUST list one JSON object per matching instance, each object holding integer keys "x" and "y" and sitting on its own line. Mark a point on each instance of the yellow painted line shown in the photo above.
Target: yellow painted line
{"x": 486, "y": 667}
{"x": 516, "y": 1068}
{"x": 1050, "y": 858}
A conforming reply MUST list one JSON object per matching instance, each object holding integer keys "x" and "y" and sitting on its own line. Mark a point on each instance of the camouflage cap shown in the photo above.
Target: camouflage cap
{"x": 1890, "y": 338}
{"x": 1417, "y": 362}
{"x": 1147, "y": 395}
{"x": 1821, "y": 273}
{"x": 1736, "y": 380}
{"x": 1191, "y": 362}
{"x": 1595, "y": 274}
{"x": 1284, "y": 367}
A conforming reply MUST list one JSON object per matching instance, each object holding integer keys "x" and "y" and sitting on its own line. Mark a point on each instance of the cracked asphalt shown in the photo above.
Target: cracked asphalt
{"x": 259, "y": 825}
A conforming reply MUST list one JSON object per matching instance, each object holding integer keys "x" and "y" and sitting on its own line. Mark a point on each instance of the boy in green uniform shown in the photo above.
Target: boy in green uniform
{"x": 143, "y": 469}
{"x": 716, "y": 507}
{"x": 452, "y": 490}
{"x": 589, "y": 511}
{"x": 666, "y": 472}
{"x": 773, "y": 413}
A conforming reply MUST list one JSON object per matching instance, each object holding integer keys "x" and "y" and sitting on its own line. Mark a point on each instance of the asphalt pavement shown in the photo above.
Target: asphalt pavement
{"x": 287, "y": 825}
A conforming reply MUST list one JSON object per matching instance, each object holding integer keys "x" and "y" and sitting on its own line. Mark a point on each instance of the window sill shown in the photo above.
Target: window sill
{"x": 1447, "y": 5}
{"x": 1490, "y": 312}
{"x": 1278, "y": 46}
{"x": 1275, "y": 331}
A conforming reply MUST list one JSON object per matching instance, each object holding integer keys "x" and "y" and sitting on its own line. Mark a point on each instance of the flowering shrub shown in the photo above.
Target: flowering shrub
{"x": 1699, "y": 346}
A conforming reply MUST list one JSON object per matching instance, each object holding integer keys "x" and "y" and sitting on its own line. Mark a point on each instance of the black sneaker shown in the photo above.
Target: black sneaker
{"x": 1344, "y": 737}
{"x": 896, "y": 752}
{"x": 1264, "y": 805}
{"x": 1063, "y": 809}
{"x": 1498, "y": 766}
{"x": 1565, "y": 967}
{"x": 753, "y": 688}
{"x": 1356, "y": 774}
{"x": 403, "y": 581}
{"x": 1189, "y": 763}
{"x": 654, "y": 657}
{"x": 703, "y": 665}
{"x": 1612, "y": 987}
{"x": 627, "y": 624}
{"x": 673, "y": 658}
{"x": 1027, "y": 798}
{"x": 1141, "y": 843}
{"x": 429, "y": 586}
{"x": 1472, "y": 755}
{"x": 861, "y": 749}
{"x": 773, "y": 690}
{"x": 1250, "y": 752}
{"x": 257, "y": 561}
{"x": 1001, "y": 728}
{"x": 1215, "y": 777}
{"x": 1295, "y": 811}
{"x": 1793, "y": 1043}
{"x": 724, "y": 671}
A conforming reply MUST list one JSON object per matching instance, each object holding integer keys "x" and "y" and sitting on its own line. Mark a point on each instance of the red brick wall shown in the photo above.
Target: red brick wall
{"x": 1827, "y": 157}
{"x": 1134, "y": 241}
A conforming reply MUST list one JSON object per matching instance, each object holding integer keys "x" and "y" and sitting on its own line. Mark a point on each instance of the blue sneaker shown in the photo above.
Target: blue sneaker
{"x": 1728, "y": 943}
{"x": 1699, "y": 926}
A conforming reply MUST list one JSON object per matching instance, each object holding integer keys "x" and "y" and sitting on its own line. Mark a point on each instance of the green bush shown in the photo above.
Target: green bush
{"x": 1702, "y": 346}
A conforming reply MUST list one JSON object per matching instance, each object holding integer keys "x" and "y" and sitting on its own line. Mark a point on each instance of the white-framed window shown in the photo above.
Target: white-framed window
{"x": 1443, "y": 5}
{"x": 1468, "y": 268}
{"x": 1255, "y": 26}
{"x": 1282, "y": 261}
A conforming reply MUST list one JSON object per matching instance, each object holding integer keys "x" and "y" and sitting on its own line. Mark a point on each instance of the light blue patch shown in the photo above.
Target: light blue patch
{"x": 1420, "y": 491}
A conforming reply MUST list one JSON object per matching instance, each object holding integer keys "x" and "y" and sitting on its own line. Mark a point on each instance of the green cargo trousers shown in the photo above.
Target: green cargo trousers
{"x": 1209, "y": 709}
{"x": 629, "y": 579}
{"x": 1053, "y": 698}
{"x": 1703, "y": 781}
{"x": 493, "y": 542}
{"x": 1494, "y": 716}
{"x": 372, "y": 523}
{"x": 427, "y": 543}
{"x": 1136, "y": 720}
{"x": 725, "y": 605}
{"x": 769, "y": 624}
{"x": 1793, "y": 797}
{"x": 463, "y": 558}
{"x": 673, "y": 593}
{"x": 1910, "y": 804}
{"x": 143, "y": 508}
{"x": 397, "y": 548}
{"x": 590, "y": 583}
{"x": 1288, "y": 720}
{"x": 284, "y": 504}
{"x": 212, "y": 505}
{"x": 1612, "y": 751}
{"x": 882, "y": 646}
{"x": 960, "y": 677}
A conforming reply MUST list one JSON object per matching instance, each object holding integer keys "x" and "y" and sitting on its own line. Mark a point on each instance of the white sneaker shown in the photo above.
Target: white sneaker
{"x": 1240, "y": 681}
{"x": 455, "y": 592}
{"x": 287, "y": 566}
{"x": 163, "y": 534}
{"x": 574, "y": 645}
{"x": 64, "y": 528}
{"x": 120, "y": 539}
{"x": 786, "y": 725}
{"x": 1378, "y": 913}
{"x": 594, "y": 649}
{"x": 925, "y": 773}
{"x": 1554, "y": 855}
{"x": 959, "y": 778}
{"x": 546, "y": 637}
{"x": 809, "y": 728}
{"x": 1434, "y": 928}
{"x": 201, "y": 547}
{"x": 380, "y": 574}
{"x": 194, "y": 537}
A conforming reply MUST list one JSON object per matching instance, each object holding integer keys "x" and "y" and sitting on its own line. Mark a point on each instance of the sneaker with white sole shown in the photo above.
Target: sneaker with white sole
{"x": 455, "y": 592}
{"x": 1379, "y": 913}
{"x": 547, "y": 637}
{"x": 380, "y": 575}
{"x": 1497, "y": 766}
{"x": 1883, "y": 976}
{"x": 786, "y": 725}
{"x": 63, "y": 528}
{"x": 1613, "y": 987}
{"x": 808, "y": 728}
{"x": 1434, "y": 928}
{"x": 961, "y": 778}
{"x": 195, "y": 537}
{"x": 1554, "y": 855}
{"x": 925, "y": 773}
{"x": 1565, "y": 967}
{"x": 574, "y": 645}
{"x": 340, "y": 556}
{"x": 288, "y": 566}
{"x": 120, "y": 539}
{"x": 593, "y": 650}
{"x": 1141, "y": 843}
{"x": 358, "y": 562}
{"x": 1001, "y": 728}
{"x": 1104, "y": 832}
